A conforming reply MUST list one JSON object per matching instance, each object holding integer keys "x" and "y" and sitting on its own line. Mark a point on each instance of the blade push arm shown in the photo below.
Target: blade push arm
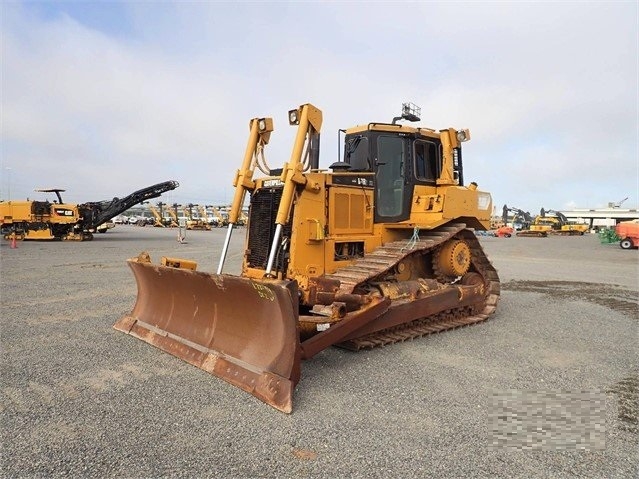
{"x": 260, "y": 133}
{"x": 309, "y": 121}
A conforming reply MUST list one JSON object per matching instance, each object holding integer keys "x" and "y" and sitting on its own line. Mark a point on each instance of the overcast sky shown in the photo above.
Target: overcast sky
{"x": 103, "y": 98}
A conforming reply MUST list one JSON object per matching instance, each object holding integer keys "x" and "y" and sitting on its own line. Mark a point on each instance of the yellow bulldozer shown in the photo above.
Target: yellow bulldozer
{"x": 379, "y": 248}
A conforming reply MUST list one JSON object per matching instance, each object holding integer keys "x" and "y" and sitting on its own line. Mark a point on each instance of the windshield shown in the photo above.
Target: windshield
{"x": 356, "y": 153}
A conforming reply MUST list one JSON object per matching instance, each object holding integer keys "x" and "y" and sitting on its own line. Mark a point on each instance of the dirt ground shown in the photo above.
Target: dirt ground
{"x": 546, "y": 388}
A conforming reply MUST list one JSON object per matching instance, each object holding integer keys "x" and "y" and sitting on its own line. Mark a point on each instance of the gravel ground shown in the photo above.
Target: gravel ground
{"x": 79, "y": 399}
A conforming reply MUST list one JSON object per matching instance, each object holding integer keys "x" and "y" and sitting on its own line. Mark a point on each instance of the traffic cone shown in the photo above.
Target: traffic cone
{"x": 13, "y": 242}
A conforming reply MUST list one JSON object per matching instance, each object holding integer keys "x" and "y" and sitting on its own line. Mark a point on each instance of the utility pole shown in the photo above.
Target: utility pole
{"x": 8, "y": 168}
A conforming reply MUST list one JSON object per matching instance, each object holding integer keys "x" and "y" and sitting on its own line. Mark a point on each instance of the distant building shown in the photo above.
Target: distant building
{"x": 602, "y": 217}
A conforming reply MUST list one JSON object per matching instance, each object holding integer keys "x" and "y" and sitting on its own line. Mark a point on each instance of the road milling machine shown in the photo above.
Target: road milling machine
{"x": 379, "y": 248}
{"x": 43, "y": 220}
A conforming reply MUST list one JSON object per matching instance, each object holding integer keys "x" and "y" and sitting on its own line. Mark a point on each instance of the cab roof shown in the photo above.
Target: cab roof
{"x": 394, "y": 128}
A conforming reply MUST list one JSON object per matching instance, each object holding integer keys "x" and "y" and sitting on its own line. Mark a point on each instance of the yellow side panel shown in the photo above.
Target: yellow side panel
{"x": 426, "y": 199}
{"x": 350, "y": 211}
{"x": 14, "y": 211}
{"x": 44, "y": 234}
{"x": 461, "y": 202}
{"x": 308, "y": 226}
{"x": 65, "y": 213}
{"x": 341, "y": 213}
{"x": 357, "y": 206}
{"x": 433, "y": 207}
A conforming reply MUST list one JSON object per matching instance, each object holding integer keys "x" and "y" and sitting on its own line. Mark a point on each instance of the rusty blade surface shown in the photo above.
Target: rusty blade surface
{"x": 237, "y": 329}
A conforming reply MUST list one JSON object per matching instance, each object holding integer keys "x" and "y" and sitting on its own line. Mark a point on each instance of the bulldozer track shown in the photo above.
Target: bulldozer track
{"x": 383, "y": 259}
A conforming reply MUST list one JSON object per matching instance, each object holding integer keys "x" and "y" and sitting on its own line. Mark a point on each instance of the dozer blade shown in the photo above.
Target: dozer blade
{"x": 238, "y": 329}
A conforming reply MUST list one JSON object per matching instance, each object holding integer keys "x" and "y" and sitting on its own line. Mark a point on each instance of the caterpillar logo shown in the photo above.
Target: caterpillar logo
{"x": 63, "y": 212}
{"x": 273, "y": 183}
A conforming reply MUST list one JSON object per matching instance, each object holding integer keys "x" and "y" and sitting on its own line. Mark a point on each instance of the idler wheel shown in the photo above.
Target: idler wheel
{"x": 453, "y": 259}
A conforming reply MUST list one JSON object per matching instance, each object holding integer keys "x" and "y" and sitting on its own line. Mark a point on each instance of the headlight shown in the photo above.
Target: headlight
{"x": 261, "y": 124}
{"x": 484, "y": 200}
{"x": 293, "y": 117}
{"x": 463, "y": 135}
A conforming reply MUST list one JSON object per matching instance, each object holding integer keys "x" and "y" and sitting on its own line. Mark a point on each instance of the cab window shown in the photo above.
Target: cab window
{"x": 426, "y": 161}
{"x": 391, "y": 153}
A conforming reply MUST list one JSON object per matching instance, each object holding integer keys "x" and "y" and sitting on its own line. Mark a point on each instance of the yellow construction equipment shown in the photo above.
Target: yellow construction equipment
{"x": 243, "y": 219}
{"x": 173, "y": 214}
{"x": 158, "y": 220}
{"x": 193, "y": 221}
{"x": 552, "y": 222}
{"x": 378, "y": 249}
{"x": 561, "y": 226}
{"x": 205, "y": 216}
{"x": 43, "y": 220}
{"x": 218, "y": 217}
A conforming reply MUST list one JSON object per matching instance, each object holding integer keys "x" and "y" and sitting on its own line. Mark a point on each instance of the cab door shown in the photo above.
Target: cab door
{"x": 393, "y": 190}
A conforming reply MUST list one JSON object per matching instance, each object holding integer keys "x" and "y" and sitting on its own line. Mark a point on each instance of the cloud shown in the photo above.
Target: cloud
{"x": 103, "y": 108}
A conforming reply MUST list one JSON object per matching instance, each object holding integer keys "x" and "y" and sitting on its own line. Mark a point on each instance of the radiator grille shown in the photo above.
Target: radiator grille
{"x": 262, "y": 214}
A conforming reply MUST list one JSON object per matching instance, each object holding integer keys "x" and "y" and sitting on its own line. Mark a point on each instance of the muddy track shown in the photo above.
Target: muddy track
{"x": 627, "y": 392}
{"x": 614, "y": 297}
{"x": 373, "y": 267}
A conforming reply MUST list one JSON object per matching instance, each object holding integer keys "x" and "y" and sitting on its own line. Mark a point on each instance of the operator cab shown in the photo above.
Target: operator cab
{"x": 401, "y": 158}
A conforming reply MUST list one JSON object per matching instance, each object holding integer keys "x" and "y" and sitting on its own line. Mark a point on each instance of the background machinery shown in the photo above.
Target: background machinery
{"x": 537, "y": 227}
{"x": 504, "y": 231}
{"x": 560, "y": 225}
{"x": 524, "y": 224}
{"x": 165, "y": 215}
{"x": 551, "y": 222}
{"x": 205, "y": 216}
{"x": 521, "y": 220}
{"x": 193, "y": 220}
{"x": 556, "y": 223}
{"x": 628, "y": 233}
{"x": 173, "y": 214}
{"x": 243, "y": 219}
{"x": 378, "y": 249}
{"x": 43, "y": 220}
{"x": 617, "y": 204}
{"x": 159, "y": 221}
{"x": 219, "y": 219}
